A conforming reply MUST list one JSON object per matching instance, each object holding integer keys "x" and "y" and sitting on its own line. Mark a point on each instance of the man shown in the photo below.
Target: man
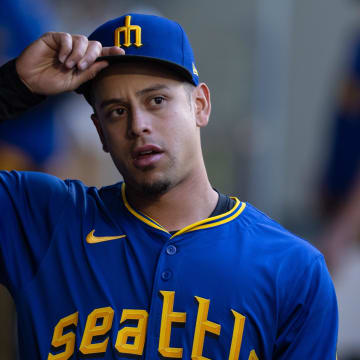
{"x": 161, "y": 265}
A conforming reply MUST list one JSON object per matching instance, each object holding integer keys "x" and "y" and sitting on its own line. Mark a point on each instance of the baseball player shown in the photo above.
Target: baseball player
{"x": 160, "y": 266}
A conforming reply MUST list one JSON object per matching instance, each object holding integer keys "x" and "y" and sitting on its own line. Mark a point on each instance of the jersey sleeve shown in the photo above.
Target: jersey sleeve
{"x": 31, "y": 205}
{"x": 308, "y": 326}
{"x": 15, "y": 97}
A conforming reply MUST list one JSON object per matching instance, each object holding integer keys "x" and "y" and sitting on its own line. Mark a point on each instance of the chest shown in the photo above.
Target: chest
{"x": 116, "y": 291}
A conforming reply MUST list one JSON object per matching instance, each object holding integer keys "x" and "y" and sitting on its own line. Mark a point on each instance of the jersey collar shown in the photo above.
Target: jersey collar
{"x": 207, "y": 223}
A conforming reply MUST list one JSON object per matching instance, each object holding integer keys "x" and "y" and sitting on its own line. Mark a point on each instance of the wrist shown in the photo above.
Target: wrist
{"x": 22, "y": 89}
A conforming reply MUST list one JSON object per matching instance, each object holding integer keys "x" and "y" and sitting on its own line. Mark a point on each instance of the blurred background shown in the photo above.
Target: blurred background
{"x": 285, "y": 82}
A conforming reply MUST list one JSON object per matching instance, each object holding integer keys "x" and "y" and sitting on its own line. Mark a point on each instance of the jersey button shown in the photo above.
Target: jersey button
{"x": 166, "y": 275}
{"x": 171, "y": 250}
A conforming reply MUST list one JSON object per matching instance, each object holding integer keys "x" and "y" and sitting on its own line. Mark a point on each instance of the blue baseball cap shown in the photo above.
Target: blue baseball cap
{"x": 148, "y": 38}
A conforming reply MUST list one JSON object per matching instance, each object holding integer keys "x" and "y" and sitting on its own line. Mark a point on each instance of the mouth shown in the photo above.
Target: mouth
{"x": 146, "y": 156}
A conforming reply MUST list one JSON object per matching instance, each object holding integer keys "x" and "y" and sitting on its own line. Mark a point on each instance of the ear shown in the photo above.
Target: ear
{"x": 202, "y": 104}
{"x": 99, "y": 130}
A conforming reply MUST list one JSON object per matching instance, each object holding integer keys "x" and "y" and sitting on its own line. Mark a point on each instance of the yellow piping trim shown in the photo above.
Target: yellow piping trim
{"x": 198, "y": 225}
{"x": 207, "y": 219}
{"x": 142, "y": 218}
{"x": 223, "y": 221}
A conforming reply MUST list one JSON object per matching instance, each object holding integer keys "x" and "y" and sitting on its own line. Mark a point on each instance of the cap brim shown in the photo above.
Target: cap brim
{"x": 176, "y": 68}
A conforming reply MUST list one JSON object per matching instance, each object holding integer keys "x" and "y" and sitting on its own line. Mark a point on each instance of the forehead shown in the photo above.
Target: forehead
{"x": 148, "y": 70}
{"x": 122, "y": 76}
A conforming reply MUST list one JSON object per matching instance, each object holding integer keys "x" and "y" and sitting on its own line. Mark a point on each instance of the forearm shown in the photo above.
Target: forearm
{"x": 15, "y": 97}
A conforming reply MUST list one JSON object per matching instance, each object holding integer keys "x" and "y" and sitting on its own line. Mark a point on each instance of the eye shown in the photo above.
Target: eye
{"x": 158, "y": 100}
{"x": 117, "y": 112}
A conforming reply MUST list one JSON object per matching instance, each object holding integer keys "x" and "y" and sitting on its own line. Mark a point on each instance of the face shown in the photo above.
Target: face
{"x": 149, "y": 121}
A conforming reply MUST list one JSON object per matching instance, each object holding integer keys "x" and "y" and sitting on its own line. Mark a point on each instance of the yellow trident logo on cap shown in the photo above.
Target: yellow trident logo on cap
{"x": 127, "y": 33}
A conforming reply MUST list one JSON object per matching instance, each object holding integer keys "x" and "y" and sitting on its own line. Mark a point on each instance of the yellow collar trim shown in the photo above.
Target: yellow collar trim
{"x": 237, "y": 209}
{"x": 199, "y": 225}
{"x": 147, "y": 220}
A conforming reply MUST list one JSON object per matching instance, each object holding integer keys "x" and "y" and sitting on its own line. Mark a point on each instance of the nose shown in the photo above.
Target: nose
{"x": 139, "y": 123}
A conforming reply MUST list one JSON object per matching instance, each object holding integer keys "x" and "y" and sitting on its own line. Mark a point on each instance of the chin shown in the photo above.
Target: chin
{"x": 150, "y": 182}
{"x": 155, "y": 188}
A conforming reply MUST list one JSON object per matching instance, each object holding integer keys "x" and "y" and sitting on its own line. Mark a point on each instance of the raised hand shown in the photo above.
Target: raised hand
{"x": 59, "y": 62}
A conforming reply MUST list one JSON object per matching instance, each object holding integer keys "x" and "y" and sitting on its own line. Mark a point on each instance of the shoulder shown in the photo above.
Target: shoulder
{"x": 32, "y": 183}
{"x": 47, "y": 196}
{"x": 297, "y": 269}
{"x": 272, "y": 246}
{"x": 40, "y": 187}
{"x": 269, "y": 232}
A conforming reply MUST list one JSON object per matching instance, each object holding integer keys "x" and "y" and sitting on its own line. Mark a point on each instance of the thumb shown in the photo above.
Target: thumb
{"x": 91, "y": 72}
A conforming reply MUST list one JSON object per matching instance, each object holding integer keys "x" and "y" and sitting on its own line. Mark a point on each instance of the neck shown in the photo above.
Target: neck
{"x": 189, "y": 201}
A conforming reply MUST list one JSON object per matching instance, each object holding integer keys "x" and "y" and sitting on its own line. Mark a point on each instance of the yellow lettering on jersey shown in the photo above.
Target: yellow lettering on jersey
{"x": 92, "y": 330}
{"x": 253, "y": 355}
{"x": 167, "y": 318}
{"x": 138, "y": 332}
{"x": 127, "y": 33}
{"x": 68, "y": 339}
{"x": 202, "y": 325}
{"x": 237, "y": 335}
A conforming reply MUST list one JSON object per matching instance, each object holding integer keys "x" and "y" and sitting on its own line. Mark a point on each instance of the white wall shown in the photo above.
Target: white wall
{"x": 302, "y": 44}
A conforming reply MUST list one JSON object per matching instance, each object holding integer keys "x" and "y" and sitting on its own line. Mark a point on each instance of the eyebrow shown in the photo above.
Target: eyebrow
{"x": 155, "y": 87}
{"x": 139, "y": 93}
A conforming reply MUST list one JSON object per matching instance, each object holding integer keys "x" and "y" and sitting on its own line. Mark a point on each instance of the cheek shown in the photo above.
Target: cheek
{"x": 183, "y": 137}
{"x": 114, "y": 134}
{"x": 181, "y": 121}
{"x": 116, "y": 143}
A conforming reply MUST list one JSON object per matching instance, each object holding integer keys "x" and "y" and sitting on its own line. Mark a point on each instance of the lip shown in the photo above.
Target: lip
{"x": 146, "y": 155}
{"x": 145, "y": 148}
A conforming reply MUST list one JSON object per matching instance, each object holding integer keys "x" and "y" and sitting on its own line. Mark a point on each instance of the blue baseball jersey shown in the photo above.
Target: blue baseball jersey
{"x": 92, "y": 277}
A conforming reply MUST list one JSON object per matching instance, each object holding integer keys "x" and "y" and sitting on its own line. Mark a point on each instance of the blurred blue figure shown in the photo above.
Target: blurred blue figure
{"x": 30, "y": 136}
{"x": 26, "y": 143}
{"x": 344, "y": 162}
{"x": 341, "y": 202}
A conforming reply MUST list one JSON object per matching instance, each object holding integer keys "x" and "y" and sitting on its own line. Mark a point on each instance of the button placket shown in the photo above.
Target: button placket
{"x": 166, "y": 275}
{"x": 171, "y": 250}
{"x": 167, "y": 270}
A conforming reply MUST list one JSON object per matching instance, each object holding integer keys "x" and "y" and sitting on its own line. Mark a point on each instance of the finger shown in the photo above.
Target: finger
{"x": 80, "y": 44}
{"x": 92, "y": 53}
{"x": 111, "y": 51}
{"x": 66, "y": 44}
{"x": 91, "y": 71}
{"x": 60, "y": 42}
